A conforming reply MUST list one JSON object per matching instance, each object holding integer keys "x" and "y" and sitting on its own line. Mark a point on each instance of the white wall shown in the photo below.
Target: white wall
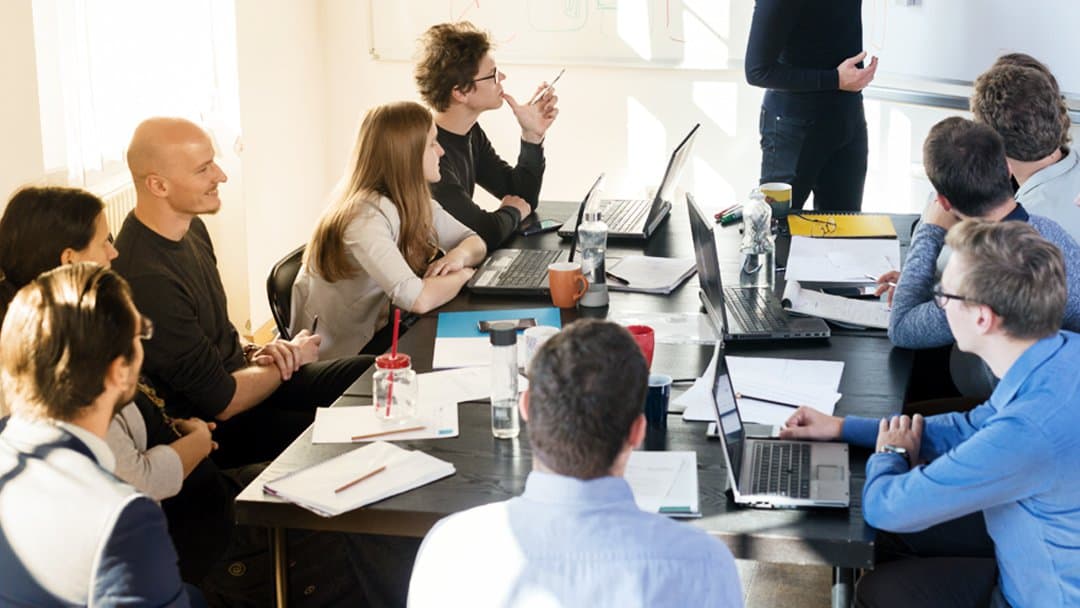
{"x": 20, "y": 147}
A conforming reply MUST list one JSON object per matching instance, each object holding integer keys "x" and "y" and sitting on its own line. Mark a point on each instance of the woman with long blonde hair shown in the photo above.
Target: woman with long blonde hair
{"x": 379, "y": 241}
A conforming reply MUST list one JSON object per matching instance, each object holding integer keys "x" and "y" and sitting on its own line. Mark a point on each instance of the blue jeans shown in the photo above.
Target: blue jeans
{"x": 825, "y": 154}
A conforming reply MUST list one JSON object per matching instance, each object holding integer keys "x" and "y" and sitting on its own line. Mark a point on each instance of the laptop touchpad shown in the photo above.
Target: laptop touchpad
{"x": 825, "y": 472}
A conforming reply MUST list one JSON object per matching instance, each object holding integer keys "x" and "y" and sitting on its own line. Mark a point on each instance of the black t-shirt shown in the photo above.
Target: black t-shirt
{"x": 794, "y": 49}
{"x": 195, "y": 347}
{"x": 470, "y": 159}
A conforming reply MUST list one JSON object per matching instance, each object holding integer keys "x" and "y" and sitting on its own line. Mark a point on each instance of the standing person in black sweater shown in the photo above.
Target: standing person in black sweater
{"x": 260, "y": 397}
{"x": 813, "y": 131}
{"x": 457, "y": 77}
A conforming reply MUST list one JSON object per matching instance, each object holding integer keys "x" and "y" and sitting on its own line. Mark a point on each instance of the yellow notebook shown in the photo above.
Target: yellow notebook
{"x": 841, "y": 225}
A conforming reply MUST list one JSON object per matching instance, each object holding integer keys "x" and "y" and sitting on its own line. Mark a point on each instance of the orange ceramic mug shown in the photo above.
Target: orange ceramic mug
{"x": 567, "y": 284}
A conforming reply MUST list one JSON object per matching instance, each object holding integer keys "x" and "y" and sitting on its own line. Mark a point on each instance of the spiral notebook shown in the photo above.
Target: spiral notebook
{"x": 841, "y": 225}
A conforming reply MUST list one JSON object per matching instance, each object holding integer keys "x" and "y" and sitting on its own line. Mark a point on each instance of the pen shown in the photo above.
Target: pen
{"x": 390, "y": 432}
{"x": 359, "y": 479}
{"x": 619, "y": 280}
{"x": 545, "y": 90}
{"x": 720, "y": 215}
{"x": 763, "y": 400}
{"x": 731, "y": 218}
{"x": 315, "y": 324}
{"x": 873, "y": 278}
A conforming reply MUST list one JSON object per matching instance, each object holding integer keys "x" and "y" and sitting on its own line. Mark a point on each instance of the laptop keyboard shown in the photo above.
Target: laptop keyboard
{"x": 626, "y": 215}
{"x": 751, "y": 309}
{"x": 781, "y": 469}
{"x": 529, "y": 268}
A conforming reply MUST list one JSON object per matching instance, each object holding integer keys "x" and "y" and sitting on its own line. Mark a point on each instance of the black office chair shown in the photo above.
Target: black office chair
{"x": 279, "y": 289}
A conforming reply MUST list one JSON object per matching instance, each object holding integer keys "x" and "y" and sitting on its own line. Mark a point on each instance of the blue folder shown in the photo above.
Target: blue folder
{"x": 465, "y": 324}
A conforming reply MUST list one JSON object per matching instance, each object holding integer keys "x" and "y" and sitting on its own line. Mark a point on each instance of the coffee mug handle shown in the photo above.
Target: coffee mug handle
{"x": 584, "y": 286}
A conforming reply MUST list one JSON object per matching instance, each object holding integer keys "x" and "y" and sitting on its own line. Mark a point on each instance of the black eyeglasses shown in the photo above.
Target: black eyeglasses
{"x": 494, "y": 75}
{"x": 941, "y": 298}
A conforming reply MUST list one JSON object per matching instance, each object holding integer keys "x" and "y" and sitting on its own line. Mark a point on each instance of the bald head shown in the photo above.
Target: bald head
{"x": 156, "y": 142}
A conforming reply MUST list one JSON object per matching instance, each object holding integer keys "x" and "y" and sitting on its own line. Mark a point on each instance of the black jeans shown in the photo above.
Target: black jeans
{"x": 262, "y": 432}
{"x": 826, "y": 155}
{"x": 948, "y": 565}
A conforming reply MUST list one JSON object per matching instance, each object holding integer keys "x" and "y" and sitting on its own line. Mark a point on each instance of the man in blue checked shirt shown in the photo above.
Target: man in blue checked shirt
{"x": 983, "y": 507}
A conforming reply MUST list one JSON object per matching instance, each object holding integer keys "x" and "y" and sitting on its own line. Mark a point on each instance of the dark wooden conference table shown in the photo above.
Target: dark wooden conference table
{"x": 874, "y": 382}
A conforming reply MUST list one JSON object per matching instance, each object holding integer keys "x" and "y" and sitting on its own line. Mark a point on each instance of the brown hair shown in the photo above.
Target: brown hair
{"x": 387, "y": 160}
{"x": 1027, "y": 61}
{"x": 450, "y": 55}
{"x": 587, "y": 387}
{"x": 965, "y": 162}
{"x": 1015, "y": 271}
{"x": 39, "y": 223}
{"x": 60, "y": 335}
{"x": 1025, "y": 108}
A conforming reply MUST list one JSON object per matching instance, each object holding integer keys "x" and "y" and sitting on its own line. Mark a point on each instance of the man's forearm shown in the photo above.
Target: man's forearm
{"x": 253, "y": 384}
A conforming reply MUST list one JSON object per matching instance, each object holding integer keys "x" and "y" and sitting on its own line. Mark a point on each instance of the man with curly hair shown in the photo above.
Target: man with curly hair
{"x": 1023, "y": 104}
{"x": 457, "y": 76}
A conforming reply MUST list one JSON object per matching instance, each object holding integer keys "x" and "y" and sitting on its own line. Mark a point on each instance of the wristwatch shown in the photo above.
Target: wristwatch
{"x": 895, "y": 449}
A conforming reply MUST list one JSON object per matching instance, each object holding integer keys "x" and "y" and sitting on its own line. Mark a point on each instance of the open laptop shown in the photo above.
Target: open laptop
{"x": 777, "y": 473}
{"x": 638, "y": 218}
{"x": 741, "y": 313}
{"x": 524, "y": 271}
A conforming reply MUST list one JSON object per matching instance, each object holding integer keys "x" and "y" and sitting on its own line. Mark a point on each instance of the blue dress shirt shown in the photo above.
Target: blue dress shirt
{"x": 569, "y": 542}
{"x": 1016, "y": 458}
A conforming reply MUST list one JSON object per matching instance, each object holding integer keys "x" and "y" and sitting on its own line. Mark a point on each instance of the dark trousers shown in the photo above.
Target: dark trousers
{"x": 826, "y": 155}
{"x": 948, "y": 565}
{"x": 262, "y": 432}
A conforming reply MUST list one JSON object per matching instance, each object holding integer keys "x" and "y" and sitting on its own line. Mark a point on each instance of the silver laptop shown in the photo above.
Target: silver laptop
{"x": 524, "y": 271}
{"x": 776, "y": 473}
{"x": 741, "y": 313}
{"x": 637, "y": 219}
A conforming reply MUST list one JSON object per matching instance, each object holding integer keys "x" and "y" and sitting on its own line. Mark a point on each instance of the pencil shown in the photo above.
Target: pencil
{"x": 359, "y": 479}
{"x": 763, "y": 400}
{"x": 389, "y": 432}
{"x": 545, "y": 90}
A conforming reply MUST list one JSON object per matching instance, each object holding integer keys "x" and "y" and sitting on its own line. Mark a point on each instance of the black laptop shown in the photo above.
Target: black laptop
{"x": 524, "y": 271}
{"x": 637, "y": 219}
{"x": 741, "y": 313}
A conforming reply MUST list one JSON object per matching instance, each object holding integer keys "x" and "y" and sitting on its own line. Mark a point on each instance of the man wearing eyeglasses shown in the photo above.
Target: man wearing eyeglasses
{"x": 965, "y": 162}
{"x": 458, "y": 78}
{"x": 981, "y": 507}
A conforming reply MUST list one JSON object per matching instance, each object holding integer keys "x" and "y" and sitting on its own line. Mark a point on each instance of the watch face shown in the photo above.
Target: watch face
{"x": 895, "y": 449}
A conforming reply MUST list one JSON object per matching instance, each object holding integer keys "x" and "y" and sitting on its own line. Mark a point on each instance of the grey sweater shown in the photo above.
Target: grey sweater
{"x": 917, "y": 322}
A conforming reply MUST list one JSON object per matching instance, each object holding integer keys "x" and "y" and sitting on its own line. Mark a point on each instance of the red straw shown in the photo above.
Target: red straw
{"x": 393, "y": 355}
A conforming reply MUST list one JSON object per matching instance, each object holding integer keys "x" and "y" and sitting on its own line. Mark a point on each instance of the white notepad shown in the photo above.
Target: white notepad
{"x": 664, "y": 482}
{"x": 648, "y": 274}
{"x": 340, "y": 424}
{"x": 313, "y": 488}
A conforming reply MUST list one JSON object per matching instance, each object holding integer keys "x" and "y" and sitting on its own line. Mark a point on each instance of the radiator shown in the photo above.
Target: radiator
{"x": 119, "y": 199}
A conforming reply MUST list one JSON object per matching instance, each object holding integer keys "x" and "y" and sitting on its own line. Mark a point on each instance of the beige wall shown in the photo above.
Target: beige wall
{"x": 20, "y": 125}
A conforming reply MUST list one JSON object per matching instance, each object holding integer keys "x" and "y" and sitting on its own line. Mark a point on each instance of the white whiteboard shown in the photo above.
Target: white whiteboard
{"x": 696, "y": 34}
{"x": 953, "y": 41}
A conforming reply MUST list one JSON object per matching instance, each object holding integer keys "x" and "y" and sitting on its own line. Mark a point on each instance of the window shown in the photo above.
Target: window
{"x": 105, "y": 65}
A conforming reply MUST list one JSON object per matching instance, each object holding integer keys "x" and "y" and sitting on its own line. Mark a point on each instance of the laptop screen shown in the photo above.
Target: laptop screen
{"x": 708, "y": 264}
{"x": 666, "y": 191}
{"x": 727, "y": 416}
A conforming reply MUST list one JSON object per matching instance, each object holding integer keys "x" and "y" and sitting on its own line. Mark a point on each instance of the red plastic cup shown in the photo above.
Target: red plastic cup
{"x": 646, "y": 340}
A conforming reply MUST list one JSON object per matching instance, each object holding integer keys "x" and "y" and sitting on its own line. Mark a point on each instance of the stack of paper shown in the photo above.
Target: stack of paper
{"x": 437, "y": 420}
{"x": 671, "y": 327}
{"x": 647, "y": 274}
{"x": 664, "y": 482}
{"x": 460, "y": 343}
{"x": 865, "y": 313}
{"x": 841, "y": 261}
{"x": 791, "y": 381}
{"x": 322, "y": 489}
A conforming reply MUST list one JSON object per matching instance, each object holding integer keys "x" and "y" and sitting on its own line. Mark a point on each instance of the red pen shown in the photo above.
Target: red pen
{"x": 727, "y": 211}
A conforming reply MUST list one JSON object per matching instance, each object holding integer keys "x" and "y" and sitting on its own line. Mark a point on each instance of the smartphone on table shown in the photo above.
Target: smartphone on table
{"x": 485, "y": 326}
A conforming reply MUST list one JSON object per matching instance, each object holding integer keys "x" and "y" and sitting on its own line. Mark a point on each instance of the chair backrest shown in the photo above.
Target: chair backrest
{"x": 279, "y": 289}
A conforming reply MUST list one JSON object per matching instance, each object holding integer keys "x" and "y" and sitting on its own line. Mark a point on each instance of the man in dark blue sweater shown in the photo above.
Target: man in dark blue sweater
{"x": 813, "y": 132}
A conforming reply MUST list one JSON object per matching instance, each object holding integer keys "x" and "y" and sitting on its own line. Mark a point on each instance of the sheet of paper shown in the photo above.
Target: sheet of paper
{"x": 841, "y": 260}
{"x": 314, "y": 488}
{"x": 671, "y": 327}
{"x": 455, "y": 385}
{"x": 866, "y": 313}
{"x": 664, "y": 482}
{"x": 341, "y": 424}
{"x": 650, "y": 274}
{"x": 796, "y": 381}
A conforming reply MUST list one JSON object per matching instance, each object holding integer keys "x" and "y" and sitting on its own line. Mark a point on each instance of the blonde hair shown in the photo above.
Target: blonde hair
{"x": 388, "y": 160}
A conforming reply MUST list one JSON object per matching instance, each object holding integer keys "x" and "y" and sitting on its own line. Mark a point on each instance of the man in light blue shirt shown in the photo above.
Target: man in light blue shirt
{"x": 576, "y": 537}
{"x": 1012, "y": 461}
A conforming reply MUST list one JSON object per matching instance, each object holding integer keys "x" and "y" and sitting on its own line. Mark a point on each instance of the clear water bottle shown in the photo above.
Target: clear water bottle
{"x": 592, "y": 240}
{"x": 505, "y": 423}
{"x": 758, "y": 249}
